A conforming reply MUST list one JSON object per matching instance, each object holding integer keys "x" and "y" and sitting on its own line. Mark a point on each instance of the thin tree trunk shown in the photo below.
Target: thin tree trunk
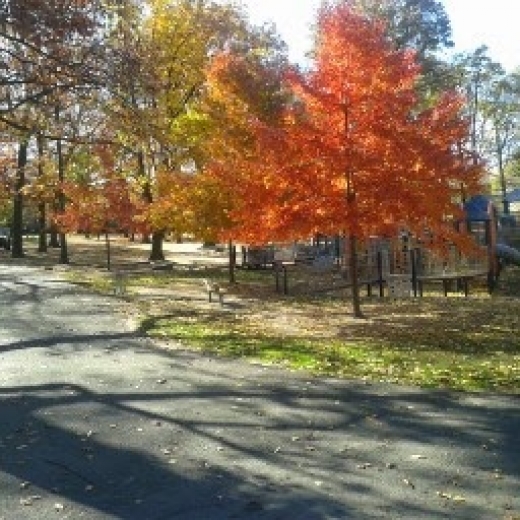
{"x": 353, "y": 265}
{"x": 232, "y": 261}
{"x": 156, "y": 253}
{"x": 17, "y": 227}
{"x": 351, "y": 202}
{"x": 42, "y": 228}
{"x": 54, "y": 240}
{"x": 109, "y": 255}
{"x": 64, "y": 256}
{"x": 42, "y": 217}
{"x": 501, "y": 172}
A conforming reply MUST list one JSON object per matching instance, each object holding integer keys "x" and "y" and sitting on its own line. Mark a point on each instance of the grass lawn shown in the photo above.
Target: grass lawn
{"x": 469, "y": 344}
{"x": 463, "y": 344}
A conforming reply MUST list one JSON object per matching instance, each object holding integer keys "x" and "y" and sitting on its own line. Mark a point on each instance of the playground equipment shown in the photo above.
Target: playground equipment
{"x": 500, "y": 231}
{"x": 398, "y": 267}
{"x": 405, "y": 265}
{"x": 508, "y": 254}
{"x": 509, "y": 229}
{"x": 401, "y": 266}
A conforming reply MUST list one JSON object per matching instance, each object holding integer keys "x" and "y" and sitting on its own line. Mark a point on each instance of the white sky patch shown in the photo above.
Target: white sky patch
{"x": 494, "y": 23}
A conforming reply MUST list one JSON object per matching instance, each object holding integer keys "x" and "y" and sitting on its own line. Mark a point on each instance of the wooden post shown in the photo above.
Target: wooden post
{"x": 414, "y": 257}
{"x": 107, "y": 243}
{"x": 353, "y": 264}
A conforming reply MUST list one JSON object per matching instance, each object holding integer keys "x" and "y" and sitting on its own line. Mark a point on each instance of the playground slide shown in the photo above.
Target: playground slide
{"x": 508, "y": 254}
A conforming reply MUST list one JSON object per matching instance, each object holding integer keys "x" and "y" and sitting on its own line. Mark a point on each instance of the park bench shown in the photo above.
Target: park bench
{"x": 213, "y": 288}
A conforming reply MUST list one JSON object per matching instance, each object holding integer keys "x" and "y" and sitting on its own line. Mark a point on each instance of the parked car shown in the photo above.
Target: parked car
{"x": 5, "y": 237}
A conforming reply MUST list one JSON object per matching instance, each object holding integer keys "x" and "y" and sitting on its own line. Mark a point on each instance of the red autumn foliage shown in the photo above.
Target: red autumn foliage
{"x": 101, "y": 205}
{"x": 355, "y": 154}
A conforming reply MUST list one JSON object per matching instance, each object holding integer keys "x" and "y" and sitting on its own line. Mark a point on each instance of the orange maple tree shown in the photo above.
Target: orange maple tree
{"x": 355, "y": 154}
{"x": 244, "y": 94}
{"x": 97, "y": 208}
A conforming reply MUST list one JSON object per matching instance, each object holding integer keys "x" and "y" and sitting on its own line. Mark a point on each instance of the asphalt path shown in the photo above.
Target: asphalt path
{"x": 98, "y": 422}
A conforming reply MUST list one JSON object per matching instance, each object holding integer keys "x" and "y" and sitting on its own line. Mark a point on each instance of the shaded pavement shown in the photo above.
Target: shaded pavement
{"x": 98, "y": 422}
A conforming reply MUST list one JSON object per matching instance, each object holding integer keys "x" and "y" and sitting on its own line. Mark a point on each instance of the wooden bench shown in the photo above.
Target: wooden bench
{"x": 213, "y": 288}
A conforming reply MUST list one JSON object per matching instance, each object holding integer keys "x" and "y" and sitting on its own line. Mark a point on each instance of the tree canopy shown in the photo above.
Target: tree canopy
{"x": 180, "y": 116}
{"x": 353, "y": 134}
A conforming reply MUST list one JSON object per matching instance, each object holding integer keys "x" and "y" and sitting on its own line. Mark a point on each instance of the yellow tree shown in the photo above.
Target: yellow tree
{"x": 162, "y": 60}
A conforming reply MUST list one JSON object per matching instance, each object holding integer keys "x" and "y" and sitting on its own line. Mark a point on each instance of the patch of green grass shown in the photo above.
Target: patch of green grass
{"x": 371, "y": 358}
{"x": 159, "y": 278}
{"x": 95, "y": 281}
{"x": 233, "y": 341}
{"x": 104, "y": 281}
{"x": 468, "y": 344}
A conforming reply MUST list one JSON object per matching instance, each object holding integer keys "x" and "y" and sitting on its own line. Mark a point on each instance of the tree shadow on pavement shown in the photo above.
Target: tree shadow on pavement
{"x": 118, "y": 470}
{"x": 300, "y": 449}
{"x": 100, "y": 423}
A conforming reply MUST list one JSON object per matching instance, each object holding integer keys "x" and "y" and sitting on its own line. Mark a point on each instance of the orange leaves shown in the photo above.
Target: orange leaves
{"x": 354, "y": 123}
{"x": 244, "y": 95}
{"x": 98, "y": 207}
{"x": 278, "y": 152}
{"x": 352, "y": 51}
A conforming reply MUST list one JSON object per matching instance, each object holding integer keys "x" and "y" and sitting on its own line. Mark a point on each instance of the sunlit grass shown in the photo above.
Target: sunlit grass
{"x": 96, "y": 281}
{"x": 374, "y": 359}
{"x": 469, "y": 344}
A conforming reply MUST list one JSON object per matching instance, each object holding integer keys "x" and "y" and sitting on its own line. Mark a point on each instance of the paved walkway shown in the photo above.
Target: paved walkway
{"x": 100, "y": 423}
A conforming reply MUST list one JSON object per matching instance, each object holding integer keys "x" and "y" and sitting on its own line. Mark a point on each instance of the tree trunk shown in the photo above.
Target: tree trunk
{"x": 351, "y": 202}
{"x": 157, "y": 254}
{"x": 64, "y": 255}
{"x": 17, "y": 227}
{"x": 54, "y": 240}
{"x": 353, "y": 265}
{"x": 109, "y": 253}
{"x": 42, "y": 217}
{"x": 501, "y": 173}
{"x": 232, "y": 262}
{"x": 42, "y": 228}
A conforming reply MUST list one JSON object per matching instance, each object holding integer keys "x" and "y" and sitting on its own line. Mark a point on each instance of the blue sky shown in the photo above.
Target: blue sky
{"x": 474, "y": 22}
